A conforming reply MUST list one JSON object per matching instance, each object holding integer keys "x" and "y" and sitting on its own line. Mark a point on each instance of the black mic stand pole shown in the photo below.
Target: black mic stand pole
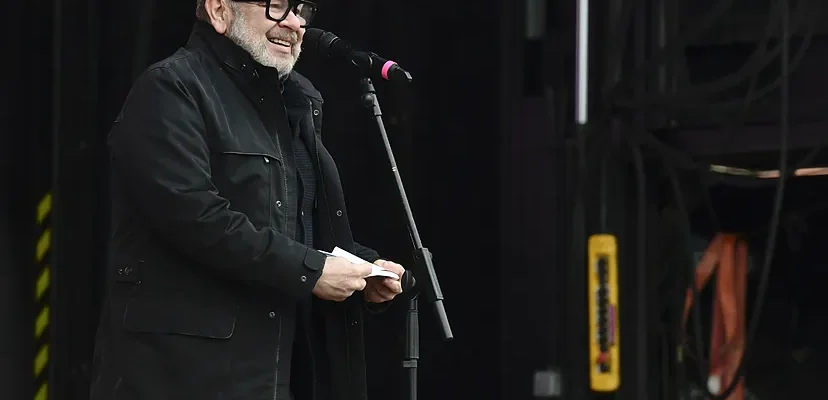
{"x": 422, "y": 257}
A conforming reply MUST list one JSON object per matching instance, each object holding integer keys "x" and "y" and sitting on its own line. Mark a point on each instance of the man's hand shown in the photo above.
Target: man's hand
{"x": 380, "y": 289}
{"x": 340, "y": 279}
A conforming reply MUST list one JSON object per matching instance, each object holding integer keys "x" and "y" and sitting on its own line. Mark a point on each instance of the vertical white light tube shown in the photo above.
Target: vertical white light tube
{"x": 582, "y": 62}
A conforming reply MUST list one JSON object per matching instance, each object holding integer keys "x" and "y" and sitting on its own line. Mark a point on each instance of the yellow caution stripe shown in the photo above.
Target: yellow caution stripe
{"x": 43, "y": 279}
{"x": 41, "y": 360}
{"x": 44, "y": 242}
{"x": 44, "y": 208}
{"x": 42, "y": 392}
{"x": 42, "y": 284}
{"x": 41, "y": 322}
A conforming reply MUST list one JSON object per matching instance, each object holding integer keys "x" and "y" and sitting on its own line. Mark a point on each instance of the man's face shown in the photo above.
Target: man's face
{"x": 272, "y": 44}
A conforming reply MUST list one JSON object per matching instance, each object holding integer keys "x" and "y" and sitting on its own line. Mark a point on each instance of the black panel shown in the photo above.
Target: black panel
{"x": 80, "y": 208}
{"x": 15, "y": 303}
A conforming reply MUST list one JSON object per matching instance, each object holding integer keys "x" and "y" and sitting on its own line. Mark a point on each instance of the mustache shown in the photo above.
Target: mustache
{"x": 291, "y": 37}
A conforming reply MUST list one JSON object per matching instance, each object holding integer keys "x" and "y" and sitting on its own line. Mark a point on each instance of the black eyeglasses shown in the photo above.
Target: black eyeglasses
{"x": 279, "y": 10}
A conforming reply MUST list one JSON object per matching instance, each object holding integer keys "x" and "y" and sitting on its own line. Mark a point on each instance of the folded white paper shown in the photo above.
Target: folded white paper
{"x": 377, "y": 270}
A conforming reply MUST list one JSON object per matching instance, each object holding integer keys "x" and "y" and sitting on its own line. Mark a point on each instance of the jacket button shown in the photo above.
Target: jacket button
{"x": 267, "y": 161}
{"x": 127, "y": 270}
{"x": 315, "y": 113}
{"x": 272, "y": 314}
{"x": 304, "y": 278}
{"x": 278, "y": 203}
{"x": 338, "y": 213}
{"x": 261, "y": 100}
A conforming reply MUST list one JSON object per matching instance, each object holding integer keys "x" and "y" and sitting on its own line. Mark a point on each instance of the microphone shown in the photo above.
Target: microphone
{"x": 407, "y": 281}
{"x": 327, "y": 44}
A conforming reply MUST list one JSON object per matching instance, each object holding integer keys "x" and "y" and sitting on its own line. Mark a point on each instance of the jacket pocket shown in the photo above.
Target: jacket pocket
{"x": 181, "y": 318}
{"x": 173, "y": 347}
{"x": 252, "y": 182}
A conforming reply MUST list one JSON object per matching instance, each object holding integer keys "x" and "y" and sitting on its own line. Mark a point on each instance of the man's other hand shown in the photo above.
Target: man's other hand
{"x": 381, "y": 289}
{"x": 340, "y": 279}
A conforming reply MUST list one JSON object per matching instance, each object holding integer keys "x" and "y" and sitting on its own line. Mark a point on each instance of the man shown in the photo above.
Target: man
{"x": 221, "y": 192}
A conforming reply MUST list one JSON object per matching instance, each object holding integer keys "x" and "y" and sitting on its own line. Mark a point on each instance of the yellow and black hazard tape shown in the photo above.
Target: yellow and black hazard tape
{"x": 41, "y": 298}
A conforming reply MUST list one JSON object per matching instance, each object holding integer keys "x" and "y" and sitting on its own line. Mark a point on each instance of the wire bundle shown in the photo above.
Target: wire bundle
{"x": 695, "y": 100}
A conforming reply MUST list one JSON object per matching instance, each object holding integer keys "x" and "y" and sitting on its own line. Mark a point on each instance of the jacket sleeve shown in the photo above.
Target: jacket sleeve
{"x": 371, "y": 255}
{"x": 160, "y": 155}
{"x": 365, "y": 253}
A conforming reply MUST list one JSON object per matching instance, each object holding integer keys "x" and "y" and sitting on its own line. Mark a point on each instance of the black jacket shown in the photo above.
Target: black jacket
{"x": 204, "y": 274}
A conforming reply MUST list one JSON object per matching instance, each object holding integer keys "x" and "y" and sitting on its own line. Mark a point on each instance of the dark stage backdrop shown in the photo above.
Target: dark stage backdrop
{"x": 479, "y": 142}
{"x": 446, "y": 130}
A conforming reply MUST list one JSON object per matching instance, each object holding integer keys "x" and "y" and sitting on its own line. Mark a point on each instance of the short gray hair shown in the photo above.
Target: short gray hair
{"x": 201, "y": 11}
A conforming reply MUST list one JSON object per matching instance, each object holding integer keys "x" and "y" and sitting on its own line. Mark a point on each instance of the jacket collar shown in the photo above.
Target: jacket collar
{"x": 242, "y": 64}
{"x": 231, "y": 55}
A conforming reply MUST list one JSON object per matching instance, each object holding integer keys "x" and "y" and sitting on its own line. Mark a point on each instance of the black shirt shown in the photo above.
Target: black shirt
{"x": 307, "y": 182}
{"x": 304, "y": 363}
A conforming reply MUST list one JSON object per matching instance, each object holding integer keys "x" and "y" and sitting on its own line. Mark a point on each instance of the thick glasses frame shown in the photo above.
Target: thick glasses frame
{"x": 293, "y": 7}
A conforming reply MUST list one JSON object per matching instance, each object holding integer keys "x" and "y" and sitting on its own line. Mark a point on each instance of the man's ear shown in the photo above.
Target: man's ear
{"x": 220, "y": 13}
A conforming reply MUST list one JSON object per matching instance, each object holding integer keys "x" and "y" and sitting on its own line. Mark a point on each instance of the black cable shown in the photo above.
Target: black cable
{"x": 697, "y": 28}
{"x": 686, "y": 229}
{"x": 804, "y": 13}
{"x": 772, "y": 234}
{"x": 603, "y": 187}
{"x": 679, "y": 102}
{"x": 737, "y": 124}
{"x": 641, "y": 251}
{"x": 704, "y": 179}
{"x": 749, "y": 96}
{"x": 685, "y": 162}
{"x": 775, "y": 222}
{"x": 758, "y": 61}
{"x": 619, "y": 41}
{"x": 665, "y": 360}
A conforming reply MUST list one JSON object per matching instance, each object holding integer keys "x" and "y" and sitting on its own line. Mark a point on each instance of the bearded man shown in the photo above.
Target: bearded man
{"x": 222, "y": 194}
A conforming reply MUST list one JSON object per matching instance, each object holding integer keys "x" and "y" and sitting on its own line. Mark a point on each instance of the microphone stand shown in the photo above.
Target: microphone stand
{"x": 422, "y": 258}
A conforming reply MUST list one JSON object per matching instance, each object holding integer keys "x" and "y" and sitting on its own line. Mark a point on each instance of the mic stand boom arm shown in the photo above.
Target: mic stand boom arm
{"x": 424, "y": 268}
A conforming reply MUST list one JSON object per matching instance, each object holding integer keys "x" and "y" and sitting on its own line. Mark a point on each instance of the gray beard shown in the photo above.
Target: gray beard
{"x": 257, "y": 45}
